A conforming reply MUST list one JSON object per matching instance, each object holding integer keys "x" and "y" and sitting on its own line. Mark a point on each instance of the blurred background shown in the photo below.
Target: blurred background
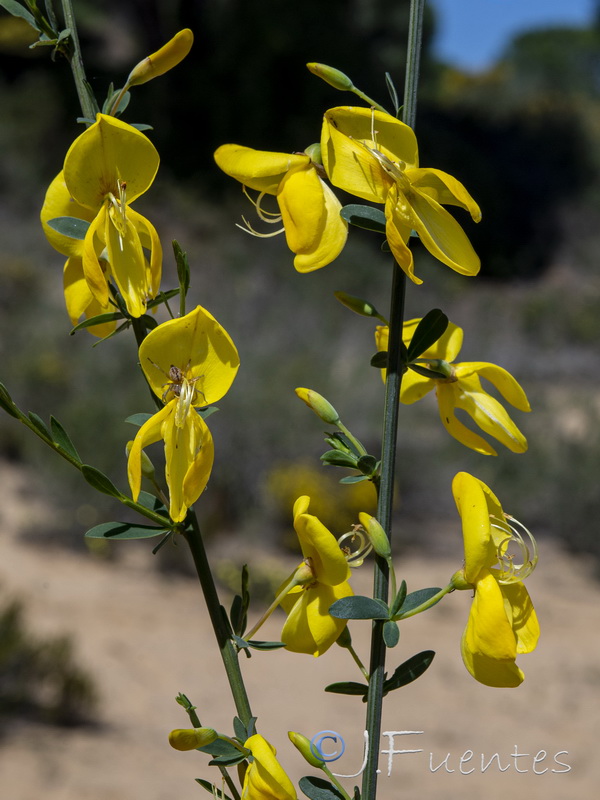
{"x": 509, "y": 104}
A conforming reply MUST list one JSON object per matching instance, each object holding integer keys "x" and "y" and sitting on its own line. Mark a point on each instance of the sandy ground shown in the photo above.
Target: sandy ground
{"x": 146, "y": 637}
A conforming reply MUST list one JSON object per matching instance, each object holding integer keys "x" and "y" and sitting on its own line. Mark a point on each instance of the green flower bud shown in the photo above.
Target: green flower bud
{"x": 191, "y": 738}
{"x": 331, "y": 76}
{"x": 313, "y": 151}
{"x": 377, "y": 536}
{"x": 303, "y": 744}
{"x": 322, "y": 407}
{"x": 459, "y": 582}
{"x": 358, "y": 305}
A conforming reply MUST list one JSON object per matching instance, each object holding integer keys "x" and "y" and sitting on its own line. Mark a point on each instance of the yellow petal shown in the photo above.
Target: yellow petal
{"x": 189, "y": 455}
{"x": 444, "y": 189}
{"x": 321, "y": 547}
{"x": 149, "y": 239}
{"x": 501, "y": 674}
{"x": 265, "y": 779}
{"x": 309, "y": 627}
{"x": 169, "y": 55}
{"x": 258, "y": 169}
{"x": 397, "y": 232}
{"x": 522, "y": 613}
{"x": 508, "y": 387}
{"x": 59, "y": 203}
{"x": 439, "y": 231}
{"x": 107, "y": 154}
{"x": 127, "y": 263}
{"x": 446, "y": 398}
{"x": 196, "y": 344}
{"x": 472, "y": 505}
{"x": 93, "y": 244}
{"x": 79, "y": 299}
{"x": 148, "y": 433}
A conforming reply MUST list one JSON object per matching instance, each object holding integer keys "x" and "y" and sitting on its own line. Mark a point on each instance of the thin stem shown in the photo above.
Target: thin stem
{"x": 367, "y": 99}
{"x": 334, "y": 780}
{"x": 428, "y": 603}
{"x": 390, "y": 430}
{"x": 218, "y": 619}
{"x": 359, "y": 446}
{"x": 85, "y": 101}
{"x": 358, "y": 662}
{"x": 289, "y": 585}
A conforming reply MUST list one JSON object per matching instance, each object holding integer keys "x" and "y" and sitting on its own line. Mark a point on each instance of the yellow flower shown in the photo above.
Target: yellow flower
{"x": 265, "y": 778}
{"x": 463, "y": 390}
{"x": 78, "y": 297}
{"x": 374, "y": 156}
{"x": 189, "y": 362}
{"x": 309, "y": 627}
{"x": 309, "y": 210}
{"x": 502, "y": 622}
{"x": 105, "y": 170}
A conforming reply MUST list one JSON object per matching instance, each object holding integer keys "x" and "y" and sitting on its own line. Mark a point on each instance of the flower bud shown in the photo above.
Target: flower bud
{"x": 147, "y": 465}
{"x": 313, "y": 151}
{"x": 307, "y": 750}
{"x": 459, "y": 582}
{"x": 322, "y": 407}
{"x": 331, "y": 76}
{"x": 377, "y": 536}
{"x": 163, "y": 60}
{"x": 358, "y": 305}
{"x": 191, "y": 738}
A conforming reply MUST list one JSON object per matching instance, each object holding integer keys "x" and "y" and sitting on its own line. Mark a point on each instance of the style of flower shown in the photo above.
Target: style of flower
{"x": 265, "y": 778}
{"x": 79, "y": 299}
{"x": 309, "y": 210}
{"x": 462, "y": 389}
{"x": 189, "y": 362}
{"x": 106, "y": 168}
{"x": 375, "y": 156}
{"x": 309, "y": 627}
{"x": 502, "y": 622}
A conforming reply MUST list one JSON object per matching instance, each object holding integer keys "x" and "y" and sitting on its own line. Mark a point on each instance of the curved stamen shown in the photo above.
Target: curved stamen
{"x": 247, "y": 228}
{"x": 355, "y": 557}
{"x": 270, "y": 217}
{"x": 511, "y": 572}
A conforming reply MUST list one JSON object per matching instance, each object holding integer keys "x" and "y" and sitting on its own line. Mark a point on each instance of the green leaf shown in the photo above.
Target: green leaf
{"x": 348, "y": 687}
{"x": 359, "y": 607}
{"x": 239, "y": 729}
{"x": 153, "y": 503}
{"x": 123, "y": 530}
{"x": 338, "y": 458}
{"x": 415, "y": 599}
{"x": 380, "y": 360}
{"x": 428, "y": 331}
{"x": 162, "y": 297}
{"x": 427, "y": 373}
{"x": 73, "y": 227}
{"x": 409, "y": 671}
{"x": 99, "y": 481}
{"x": 227, "y": 761}
{"x": 138, "y": 419}
{"x": 354, "y": 478}
{"x": 17, "y": 10}
{"x": 149, "y": 322}
{"x": 319, "y": 789}
{"x": 212, "y": 789}
{"x": 221, "y": 749}
{"x": 110, "y": 316}
{"x": 340, "y": 441}
{"x": 256, "y": 645}
{"x": 367, "y": 217}
{"x": 239, "y": 606}
{"x": 61, "y": 438}
{"x": 40, "y": 425}
{"x": 391, "y": 633}
{"x": 183, "y": 267}
{"x": 367, "y": 465}
{"x": 141, "y": 126}
{"x": 205, "y": 413}
{"x": 392, "y": 92}
{"x": 7, "y": 402}
{"x": 399, "y": 599}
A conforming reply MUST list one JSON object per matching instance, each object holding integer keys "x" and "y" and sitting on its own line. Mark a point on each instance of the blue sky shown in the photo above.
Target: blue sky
{"x": 471, "y": 34}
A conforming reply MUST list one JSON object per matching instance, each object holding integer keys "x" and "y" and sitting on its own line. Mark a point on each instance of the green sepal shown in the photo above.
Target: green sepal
{"x": 149, "y": 322}
{"x": 348, "y": 687}
{"x": 256, "y": 645}
{"x": 391, "y": 633}
{"x": 183, "y": 268}
{"x": 358, "y": 305}
{"x": 409, "y": 671}
{"x": 110, "y": 99}
{"x": 61, "y": 438}
{"x": 40, "y": 425}
{"x": 123, "y": 530}
{"x": 339, "y": 441}
{"x": 8, "y": 404}
{"x": 380, "y": 360}
{"x": 415, "y": 599}
{"x": 73, "y": 227}
{"x": 398, "y": 600}
{"x": 428, "y": 373}
{"x": 337, "y": 458}
{"x": 428, "y": 331}
{"x": 319, "y": 789}
{"x": 99, "y": 319}
{"x": 359, "y": 607}
{"x": 99, "y": 481}
{"x": 368, "y": 465}
{"x": 354, "y": 478}
{"x": 367, "y": 217}
{"x": 212, "y": 789}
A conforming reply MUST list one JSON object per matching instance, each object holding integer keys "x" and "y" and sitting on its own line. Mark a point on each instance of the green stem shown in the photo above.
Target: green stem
{"x": 288, "y": 586}
{"x": 390, "y": 429}
{"x": 358, "y": 662}
{"x": 359, "y": 446}
{"x": 218, "y": 619}
{"x": 335, "y": 781}
{"x": 88, "y": 108}
{"x": 367, "y": 99}
{"x": 428, "y": 603}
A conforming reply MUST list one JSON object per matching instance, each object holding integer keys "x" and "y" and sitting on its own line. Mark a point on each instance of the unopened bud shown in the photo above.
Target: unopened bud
{"x": 307, "y": 750}
{"x": 357, "y": 304}
{"x": 331, "y": 76}
{"x": 313, "y": 151}
{"x": 191, "y": 738}
{"x": 322, "y": 407}
{"x": 163, "y": 60}
{"x": 377, "y": 536}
